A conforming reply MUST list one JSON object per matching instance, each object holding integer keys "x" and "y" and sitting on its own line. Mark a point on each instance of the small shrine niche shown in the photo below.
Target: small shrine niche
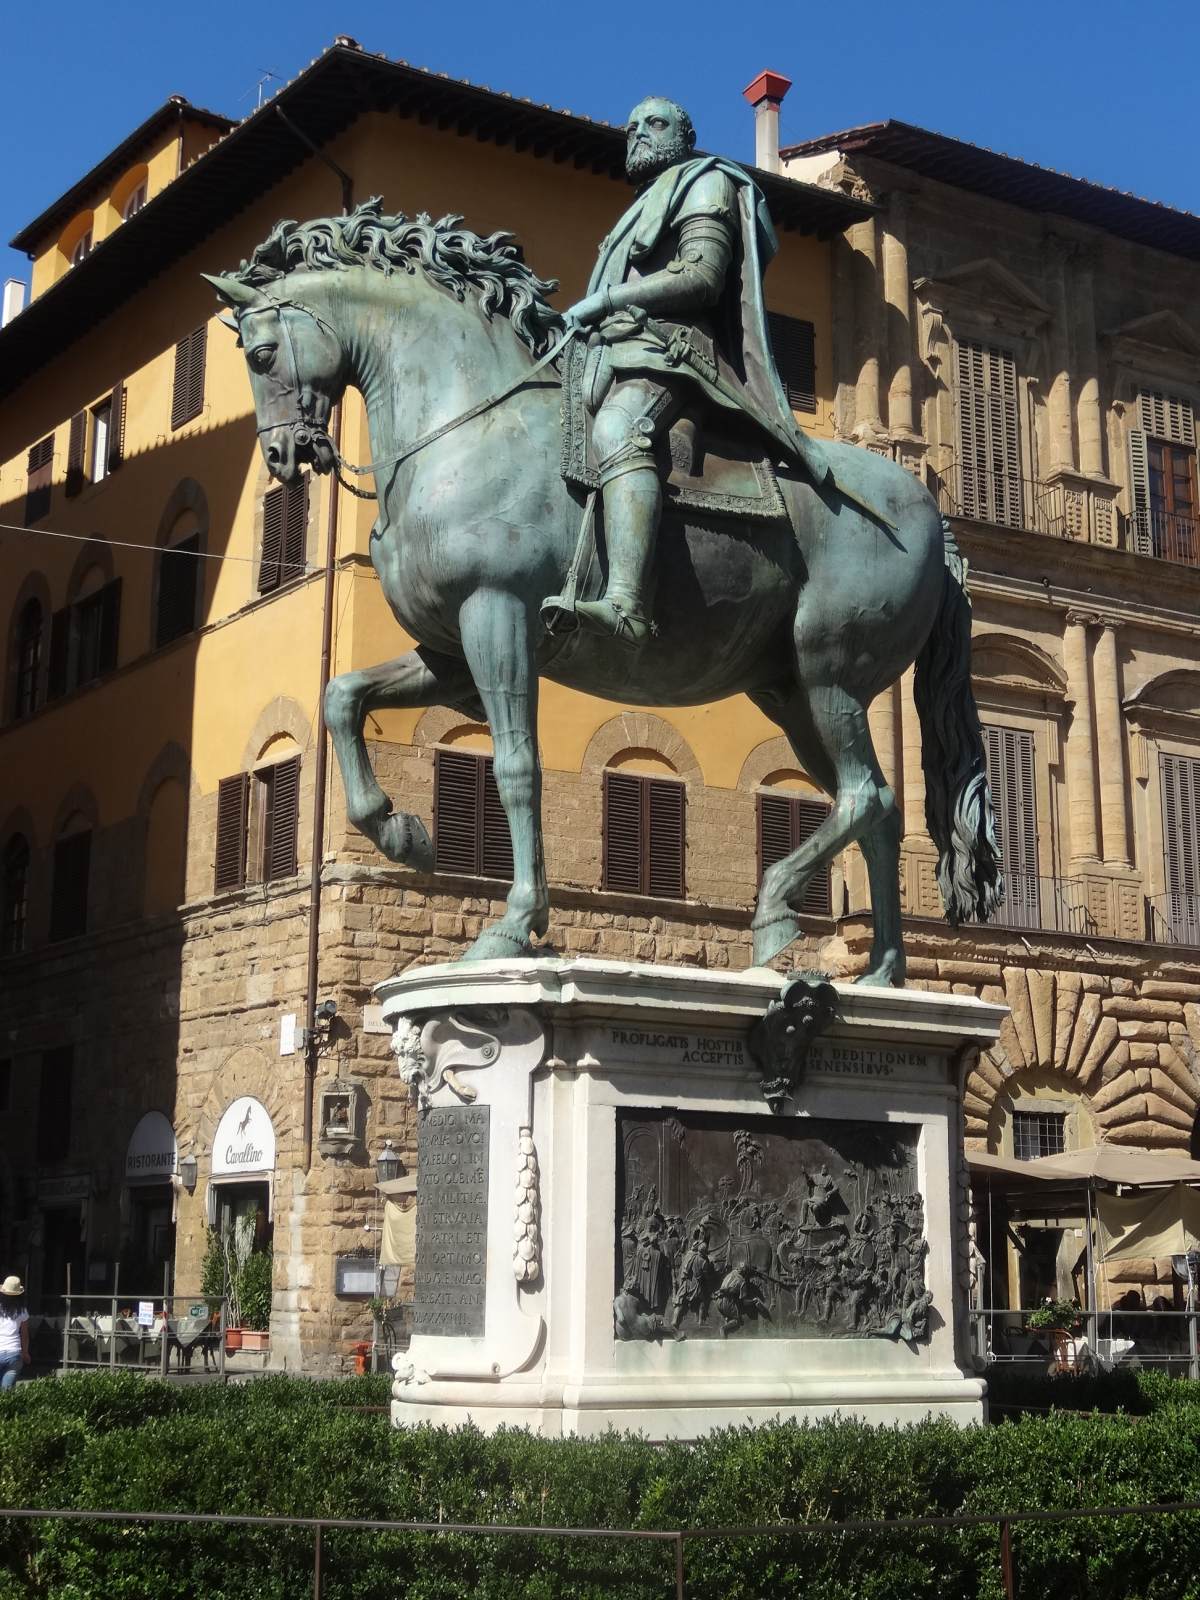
{"x": 341, "y": 1108}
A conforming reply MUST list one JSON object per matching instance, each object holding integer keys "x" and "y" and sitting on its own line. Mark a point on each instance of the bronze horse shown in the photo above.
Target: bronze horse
{"x": 812, "y": 619}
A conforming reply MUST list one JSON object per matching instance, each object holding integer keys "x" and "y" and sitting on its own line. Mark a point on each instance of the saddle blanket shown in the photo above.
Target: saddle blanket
{"x": 712, "y": 467}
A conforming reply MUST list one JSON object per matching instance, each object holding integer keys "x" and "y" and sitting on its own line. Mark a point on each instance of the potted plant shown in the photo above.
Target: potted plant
{"x": 254, "y": 1300}
{"x": 1054, "y": 1316}
{"x": 236, "y": 1249}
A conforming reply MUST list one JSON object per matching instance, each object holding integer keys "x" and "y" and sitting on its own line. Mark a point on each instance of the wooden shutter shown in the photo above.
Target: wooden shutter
{"x": 274, "y": 505}
{"x": 178, "y": 577}
{"x": 1180, "y": 779}
{"x": 60, "y": 653}
{"x": 666, "y": 805}
{"x": 989, "y": 446}
{"x": 69, "y": 892}
{"x": 76, "y": 448}
{"x": 1166, "y": 416}
{"x": 295, "y": 529}
{"x": 470, "y": 828}
{"x": 110, "y": 626}
{"x": 40, "y": 470}
{"x": 622, "y": 849}
{"x": 233, "y": 795}
{"x": 1011, "y": 778}
{"x": 495, "y": 840}
{"x": 793, "y": 343}
{"x": 116, "y": 427}
{"x": 785, "y": 821}
{"x": 281, "y": 818}
{"x": 187, "y": 394}
{"x": 1139, "y": 492}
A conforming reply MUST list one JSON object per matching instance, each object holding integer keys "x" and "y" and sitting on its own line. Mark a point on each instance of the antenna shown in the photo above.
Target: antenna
{"x": 267, "y": 75}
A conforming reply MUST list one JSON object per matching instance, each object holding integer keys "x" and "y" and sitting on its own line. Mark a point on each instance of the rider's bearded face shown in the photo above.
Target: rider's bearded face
{"x": 655, "y": 138}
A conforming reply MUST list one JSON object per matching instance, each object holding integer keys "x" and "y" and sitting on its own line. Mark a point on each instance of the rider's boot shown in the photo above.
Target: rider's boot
{"x": 632, "y": 504}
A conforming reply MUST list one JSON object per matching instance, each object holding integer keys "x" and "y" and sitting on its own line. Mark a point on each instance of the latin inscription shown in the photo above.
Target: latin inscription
{"x": 452, "y": 1208}
{"x": 728, "y": 1050}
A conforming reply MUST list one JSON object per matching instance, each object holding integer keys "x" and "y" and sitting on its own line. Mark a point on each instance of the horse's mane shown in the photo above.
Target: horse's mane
{"x": 446, "y": 252}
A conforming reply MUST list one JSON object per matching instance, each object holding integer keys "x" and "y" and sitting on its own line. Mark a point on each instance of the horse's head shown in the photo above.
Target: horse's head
{"x": 297, "y": 371}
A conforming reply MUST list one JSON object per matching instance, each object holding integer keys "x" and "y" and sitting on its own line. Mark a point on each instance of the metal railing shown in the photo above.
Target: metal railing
{"x": 1105, "y": 1338}
{"x": 148, "y": 1333}
{"x": 1167, "y": 536}
{"x": 1056, "y": 905}
{"x": 1007, "y": 500}
{"x": 676, "y": 1539}
{"x": 1173, "y": 919}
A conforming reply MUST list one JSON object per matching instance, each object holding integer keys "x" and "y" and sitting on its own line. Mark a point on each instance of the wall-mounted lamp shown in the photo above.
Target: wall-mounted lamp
{"x": 388, "y": 1164}
{"x": 189, "y": 1171}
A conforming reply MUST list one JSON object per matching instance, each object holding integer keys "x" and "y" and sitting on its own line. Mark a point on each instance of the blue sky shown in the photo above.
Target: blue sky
{"x": 1078, "y": 87}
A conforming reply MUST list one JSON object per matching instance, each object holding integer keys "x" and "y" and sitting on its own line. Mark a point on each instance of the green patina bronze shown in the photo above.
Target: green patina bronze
{"x": 513, "y": 546}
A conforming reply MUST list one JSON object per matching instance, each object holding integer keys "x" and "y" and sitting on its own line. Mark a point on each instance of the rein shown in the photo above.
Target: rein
{"x": 305, "y": 430}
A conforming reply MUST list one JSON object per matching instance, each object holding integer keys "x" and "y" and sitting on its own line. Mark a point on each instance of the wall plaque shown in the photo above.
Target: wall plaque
{"x": 452, "y": 1214}
{"x": 764, "y": 1228}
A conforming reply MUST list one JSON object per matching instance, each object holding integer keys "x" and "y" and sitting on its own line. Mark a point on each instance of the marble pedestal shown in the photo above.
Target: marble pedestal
{"x": 552, "y": 1283}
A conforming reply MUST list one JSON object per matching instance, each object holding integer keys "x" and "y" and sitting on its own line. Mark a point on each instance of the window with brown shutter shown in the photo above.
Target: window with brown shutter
{"x": 793, "y": 344}
{"x": 178, "y": 580}
{"x": 40, "y": 469}
{"x": 27, "y": 680}
{"x": 285, "y": 534}
{"x": 187, "y": 393}
{"x": 785, "y": 821}
{"x": 279, "y": 799}
{"x": 233, "y": 798}
{"x": 1011, "y": 779}
{"x": 60, "y": 653}
{"x": 53, "y": 1137}
{"x": 96, "y": 627}
{"x": 116, "y": 427}
{"x": 76, "y": 444}
{"x": 15, "y": 911}
{"x": 989, "y": 447}
{"x": 101, "y": 430}
{"x": 69, "y": 891}
{"x": 1180, "y": 781}
{"x": 643, "y": 844}
{"x": 470, "y": 827}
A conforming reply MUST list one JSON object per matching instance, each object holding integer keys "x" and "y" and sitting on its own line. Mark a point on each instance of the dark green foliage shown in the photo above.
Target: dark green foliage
{"x": 288, "y": 1447}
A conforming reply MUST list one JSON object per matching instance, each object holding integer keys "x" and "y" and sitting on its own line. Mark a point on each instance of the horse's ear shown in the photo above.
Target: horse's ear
{"x": 236, "y": 295}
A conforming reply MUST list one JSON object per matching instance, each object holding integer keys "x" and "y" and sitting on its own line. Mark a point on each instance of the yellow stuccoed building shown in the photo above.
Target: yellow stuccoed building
{"x": 166, "y": 1062}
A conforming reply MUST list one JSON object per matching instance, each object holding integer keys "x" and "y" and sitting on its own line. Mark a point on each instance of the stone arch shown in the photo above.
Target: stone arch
{"x": 172, "y": 761}
{"x": 33, "y": 587}
{"x": 245, "y": 1071}
{"x": 97, "y": 552}
{"x": 1138, "y": 1078}
{"x": 771, "y": 757}
{"x": 19, "y": 820}
{"x": 78, "y": 800}
{"x": 444, "y": 725}
{"x": 640, "y": 730}
{"x": 1008, "y": 659}
{"x": 282, "y": 716}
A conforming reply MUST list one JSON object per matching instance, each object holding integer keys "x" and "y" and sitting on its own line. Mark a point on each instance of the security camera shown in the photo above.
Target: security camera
{"x": 327, "y": 1010}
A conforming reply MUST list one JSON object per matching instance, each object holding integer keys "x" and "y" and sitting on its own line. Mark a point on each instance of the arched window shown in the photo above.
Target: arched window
{"x": 28, "y": 659}
{"x": 787, "y": 814}
{"x": 15, "y": 908}
{"x": 72, "y": 872}
{"x": 644, "y": 831}
{"x": 83, "y": 248}
{"x": 134, "y": 204}
{"x": 178, "y": 580}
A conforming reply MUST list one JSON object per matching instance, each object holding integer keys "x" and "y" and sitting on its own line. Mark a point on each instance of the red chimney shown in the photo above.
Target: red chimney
{"x": 765, "y": 95}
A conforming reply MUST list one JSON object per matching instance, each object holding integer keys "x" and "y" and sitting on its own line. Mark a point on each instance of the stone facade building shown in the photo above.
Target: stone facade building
{"x": 1028, "y": 344}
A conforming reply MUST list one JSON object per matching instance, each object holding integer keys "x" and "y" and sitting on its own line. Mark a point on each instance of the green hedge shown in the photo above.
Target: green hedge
{"x": 286, "y": 1446}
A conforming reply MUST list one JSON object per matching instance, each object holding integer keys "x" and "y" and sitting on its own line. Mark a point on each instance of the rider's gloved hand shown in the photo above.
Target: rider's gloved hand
{"x": 591, "y": 309}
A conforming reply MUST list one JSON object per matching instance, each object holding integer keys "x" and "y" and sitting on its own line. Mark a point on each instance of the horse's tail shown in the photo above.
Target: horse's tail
{"x": 958, "y": 802}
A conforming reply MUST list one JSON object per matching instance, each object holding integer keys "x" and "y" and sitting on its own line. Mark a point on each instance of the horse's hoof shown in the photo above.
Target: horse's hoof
{"x": 772, "y": 937}
{"x": 887, "y": 974}
{"x": 499, "y": 944}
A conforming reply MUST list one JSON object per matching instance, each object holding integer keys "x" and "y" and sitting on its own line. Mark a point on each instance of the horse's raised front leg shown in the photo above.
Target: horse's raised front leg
{"x": 497, "y": 635}
{"x": 420, "y": 678}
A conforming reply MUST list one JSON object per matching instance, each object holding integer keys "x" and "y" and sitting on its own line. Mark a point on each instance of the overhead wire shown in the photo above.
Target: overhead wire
{"x": 307, "y": 567}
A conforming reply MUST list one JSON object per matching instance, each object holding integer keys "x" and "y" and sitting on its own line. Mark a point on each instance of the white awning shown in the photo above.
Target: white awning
{"x": 151, "y": 1152}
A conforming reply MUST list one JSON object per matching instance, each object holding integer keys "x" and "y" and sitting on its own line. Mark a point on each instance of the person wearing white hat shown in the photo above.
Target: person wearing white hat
{"x": 14, "y": 1331}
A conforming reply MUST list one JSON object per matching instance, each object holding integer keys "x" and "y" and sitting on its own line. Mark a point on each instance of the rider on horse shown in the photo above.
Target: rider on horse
{"x": 675, "y": 309}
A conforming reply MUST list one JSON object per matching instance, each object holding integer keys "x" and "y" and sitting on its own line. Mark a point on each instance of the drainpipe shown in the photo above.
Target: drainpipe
{"x": 321, "y": 770}
{"x": 766, "y": 94}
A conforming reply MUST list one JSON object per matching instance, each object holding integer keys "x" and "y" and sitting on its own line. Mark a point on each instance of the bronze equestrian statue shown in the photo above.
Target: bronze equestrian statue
{"x": 811, "y": 592}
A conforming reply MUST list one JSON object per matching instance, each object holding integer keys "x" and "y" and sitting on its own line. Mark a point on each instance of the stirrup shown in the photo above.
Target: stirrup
{"x": 610, "y": 617}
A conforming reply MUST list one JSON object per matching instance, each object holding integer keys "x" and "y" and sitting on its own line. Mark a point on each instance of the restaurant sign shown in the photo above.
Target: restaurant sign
{"x": 150, "y": 1154}
{"x": 244, "y": 1143}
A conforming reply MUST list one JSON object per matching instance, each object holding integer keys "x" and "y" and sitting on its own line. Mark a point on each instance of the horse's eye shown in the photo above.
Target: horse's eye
{"x": 262, "y": 356}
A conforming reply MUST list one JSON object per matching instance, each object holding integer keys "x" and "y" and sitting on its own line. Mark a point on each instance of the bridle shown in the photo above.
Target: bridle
{"x": 307, "y": 432}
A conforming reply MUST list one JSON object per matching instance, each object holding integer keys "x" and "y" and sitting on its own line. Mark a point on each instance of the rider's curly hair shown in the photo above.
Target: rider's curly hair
{"x": 453, "y": 256}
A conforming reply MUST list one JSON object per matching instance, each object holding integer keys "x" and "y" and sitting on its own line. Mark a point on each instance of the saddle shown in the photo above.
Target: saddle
{"x": 708, "y": 463}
